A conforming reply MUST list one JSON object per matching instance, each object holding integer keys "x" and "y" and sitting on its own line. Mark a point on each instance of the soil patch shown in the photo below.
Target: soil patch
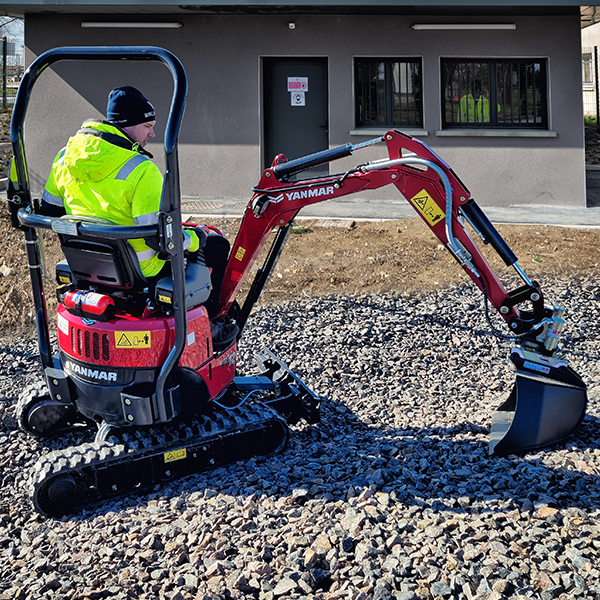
{"x": 366, "y": 257}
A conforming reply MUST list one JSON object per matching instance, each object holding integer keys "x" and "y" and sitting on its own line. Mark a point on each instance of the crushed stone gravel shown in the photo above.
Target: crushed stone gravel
{"x": 392, "y": 496}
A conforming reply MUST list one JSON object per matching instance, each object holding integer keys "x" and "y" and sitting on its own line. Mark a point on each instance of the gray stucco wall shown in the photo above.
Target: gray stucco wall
{"x": 221, "y": 141}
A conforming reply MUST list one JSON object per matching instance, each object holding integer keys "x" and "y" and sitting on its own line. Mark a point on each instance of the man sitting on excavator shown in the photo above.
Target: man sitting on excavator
{"x": 104, "y": 171}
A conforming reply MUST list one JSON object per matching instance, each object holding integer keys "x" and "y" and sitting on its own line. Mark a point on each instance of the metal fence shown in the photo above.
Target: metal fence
{"x": 12, "y": 68}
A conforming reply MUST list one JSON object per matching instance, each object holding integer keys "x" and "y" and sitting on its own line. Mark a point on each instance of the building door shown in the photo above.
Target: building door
{"x": 295, "y": 109}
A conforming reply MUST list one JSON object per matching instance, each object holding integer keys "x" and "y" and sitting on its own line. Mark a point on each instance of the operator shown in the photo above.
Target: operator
{"x": 104, "y": 171}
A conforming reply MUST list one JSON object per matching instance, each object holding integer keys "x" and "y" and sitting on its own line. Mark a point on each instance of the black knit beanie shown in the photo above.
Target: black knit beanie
{"x": 127, "y": 107}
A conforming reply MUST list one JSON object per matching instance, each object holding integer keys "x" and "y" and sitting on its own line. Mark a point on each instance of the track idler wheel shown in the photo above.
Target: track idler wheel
{"x": 539, "y": 412}
{"x": 41, "y": 416}
{"x": 61, "y": 489}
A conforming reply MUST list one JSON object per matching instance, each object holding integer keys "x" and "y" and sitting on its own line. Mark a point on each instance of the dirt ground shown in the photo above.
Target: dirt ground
{"x": 389, "y": 256}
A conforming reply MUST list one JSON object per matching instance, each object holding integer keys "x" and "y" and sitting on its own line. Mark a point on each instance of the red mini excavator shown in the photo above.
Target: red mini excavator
{"x": 136, "y": 361}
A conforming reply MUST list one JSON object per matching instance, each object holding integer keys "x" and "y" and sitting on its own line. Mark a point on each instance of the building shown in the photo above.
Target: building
{"x": 590, "y": 40}
{"x": 494, "y": 89}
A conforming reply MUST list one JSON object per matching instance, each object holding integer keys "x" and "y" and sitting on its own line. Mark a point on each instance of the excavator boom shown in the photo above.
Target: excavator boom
{"x": 549, "y": 399}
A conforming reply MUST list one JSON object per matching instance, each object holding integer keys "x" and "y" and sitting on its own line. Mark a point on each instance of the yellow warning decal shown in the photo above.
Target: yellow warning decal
{"x": 239, "y": 255}
{"x": 165, "y": 299}
{"x": 175, "y": 455}
{"x": 428, "y": 207}
{"x": 133, "y": 339}
{"x": 64, "y": 279}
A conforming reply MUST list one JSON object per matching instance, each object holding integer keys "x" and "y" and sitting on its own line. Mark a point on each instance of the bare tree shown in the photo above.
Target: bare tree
{"x": 11, "y": 26}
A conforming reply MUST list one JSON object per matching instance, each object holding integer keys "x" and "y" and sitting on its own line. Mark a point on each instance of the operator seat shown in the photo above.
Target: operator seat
{"x": 112, "y": 267}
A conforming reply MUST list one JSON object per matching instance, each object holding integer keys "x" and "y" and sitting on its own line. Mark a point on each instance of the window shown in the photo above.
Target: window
{"x": 588, "y": 68}
{"x": 388, "y": 92}
{"x": 494, "y": 93}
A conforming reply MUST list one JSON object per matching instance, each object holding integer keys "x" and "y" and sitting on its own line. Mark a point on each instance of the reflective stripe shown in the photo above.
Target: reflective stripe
{"x": 147, "y": 219}
{"x": 52, "y": 199}
{"x": 187, "y": 240}
{"x": 126, "y": 170}
{"x": 146, "y": 255}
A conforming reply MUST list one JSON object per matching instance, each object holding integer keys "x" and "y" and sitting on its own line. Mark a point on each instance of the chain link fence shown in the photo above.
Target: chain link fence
{"x": 12, "y": 68}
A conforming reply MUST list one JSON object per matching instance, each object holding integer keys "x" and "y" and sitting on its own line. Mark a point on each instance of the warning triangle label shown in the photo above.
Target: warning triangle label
{"x": 421, "y": 202}
{"x": 428, "y": 207}
{"x": 133, "y": 339}
{"x": 124, "y": 342}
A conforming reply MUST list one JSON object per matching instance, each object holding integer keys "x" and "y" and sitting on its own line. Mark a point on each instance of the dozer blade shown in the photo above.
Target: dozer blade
{"x": 540, "y": 411}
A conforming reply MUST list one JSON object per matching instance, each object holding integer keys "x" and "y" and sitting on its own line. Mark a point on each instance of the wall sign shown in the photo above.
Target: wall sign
{"x": 297, "y": 86}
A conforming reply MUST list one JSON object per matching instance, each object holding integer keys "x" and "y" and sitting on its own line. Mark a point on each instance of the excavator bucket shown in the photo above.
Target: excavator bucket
{"x": 540, "y": 411}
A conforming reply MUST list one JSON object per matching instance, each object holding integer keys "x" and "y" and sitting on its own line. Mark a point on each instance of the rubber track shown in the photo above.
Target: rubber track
{"x": 31, "y": 393}
{"x": 38, "y": 392}
{"x": 67, "y": 480}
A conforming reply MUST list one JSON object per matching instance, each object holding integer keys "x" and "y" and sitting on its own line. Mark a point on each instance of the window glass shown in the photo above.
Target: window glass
{"x": 494, "y": 93}
{"x": 388, "y": 92}
{"x": 588, "y": 72}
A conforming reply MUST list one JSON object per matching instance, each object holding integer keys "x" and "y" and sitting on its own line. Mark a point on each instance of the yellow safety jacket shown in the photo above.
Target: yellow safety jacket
{"x": 475, "y": 110}
{"x": 94, "y": 177}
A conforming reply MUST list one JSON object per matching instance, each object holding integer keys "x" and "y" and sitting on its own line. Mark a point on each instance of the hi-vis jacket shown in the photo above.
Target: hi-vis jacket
{"x": 93, "y": 177}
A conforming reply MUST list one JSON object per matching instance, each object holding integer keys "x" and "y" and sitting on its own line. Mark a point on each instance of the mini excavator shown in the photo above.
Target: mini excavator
{"x": 136, "y": 362}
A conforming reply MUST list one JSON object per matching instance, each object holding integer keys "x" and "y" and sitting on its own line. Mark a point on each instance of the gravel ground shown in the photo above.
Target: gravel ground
{"x": 392, "y": 496}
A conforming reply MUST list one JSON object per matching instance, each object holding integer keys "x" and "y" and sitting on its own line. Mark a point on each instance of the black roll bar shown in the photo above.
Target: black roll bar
{"x": 74, "y": 227}
{"x": 19, "y": 192}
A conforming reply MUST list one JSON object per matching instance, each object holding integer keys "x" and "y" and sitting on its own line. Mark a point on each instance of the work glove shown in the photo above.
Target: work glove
{"x": 194, "y": 238}
{"x": 194, "y": 242}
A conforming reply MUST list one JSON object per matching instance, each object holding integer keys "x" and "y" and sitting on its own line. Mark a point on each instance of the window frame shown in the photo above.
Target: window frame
{"x": 487, "y": 117}
{"x": 363, "y": 97}
{"x": 587, "y": 67}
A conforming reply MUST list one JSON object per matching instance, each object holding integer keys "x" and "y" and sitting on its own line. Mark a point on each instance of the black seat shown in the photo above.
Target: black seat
{"x": 102, "y": 263}
{"x": 111, "y": 266}
{"x": 96, "y": 262}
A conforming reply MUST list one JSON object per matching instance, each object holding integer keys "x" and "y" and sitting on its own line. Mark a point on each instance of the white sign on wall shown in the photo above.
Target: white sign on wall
{"x": 297, "y": 86}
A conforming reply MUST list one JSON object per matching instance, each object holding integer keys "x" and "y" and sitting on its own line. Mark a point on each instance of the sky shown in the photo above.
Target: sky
{"x": 14, "y": 29}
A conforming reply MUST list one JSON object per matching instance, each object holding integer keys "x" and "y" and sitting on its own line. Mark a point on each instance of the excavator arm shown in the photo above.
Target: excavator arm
{"x": 425, "y": 181}
{"x": 549, "y": 399}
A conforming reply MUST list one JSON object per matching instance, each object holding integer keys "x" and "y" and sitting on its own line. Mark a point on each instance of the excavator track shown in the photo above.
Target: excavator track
{"x": 64, "y": 481}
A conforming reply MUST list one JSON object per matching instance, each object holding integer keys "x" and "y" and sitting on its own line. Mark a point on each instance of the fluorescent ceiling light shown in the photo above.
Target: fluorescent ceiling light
{"x": 449, "y": 26}
{"x": 122, "y": 25}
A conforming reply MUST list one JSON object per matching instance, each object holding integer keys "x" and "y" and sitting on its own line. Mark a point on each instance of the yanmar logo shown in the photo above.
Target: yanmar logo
{"x": 327, "y": 190}
{"x": 89, "y": 373}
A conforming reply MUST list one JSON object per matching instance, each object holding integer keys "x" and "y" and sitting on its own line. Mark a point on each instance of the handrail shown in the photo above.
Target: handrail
{"x": 76, "y": 227}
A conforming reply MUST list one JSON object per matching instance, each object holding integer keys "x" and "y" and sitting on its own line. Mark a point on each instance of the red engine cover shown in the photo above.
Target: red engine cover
{"x": 132, "y": 342}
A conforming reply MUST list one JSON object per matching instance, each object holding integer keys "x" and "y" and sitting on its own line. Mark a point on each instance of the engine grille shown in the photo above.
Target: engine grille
{"x": 87, "y": 344}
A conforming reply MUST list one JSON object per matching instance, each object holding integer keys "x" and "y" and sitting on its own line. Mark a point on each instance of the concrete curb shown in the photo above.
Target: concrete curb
{"x": 363, "y": 210}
